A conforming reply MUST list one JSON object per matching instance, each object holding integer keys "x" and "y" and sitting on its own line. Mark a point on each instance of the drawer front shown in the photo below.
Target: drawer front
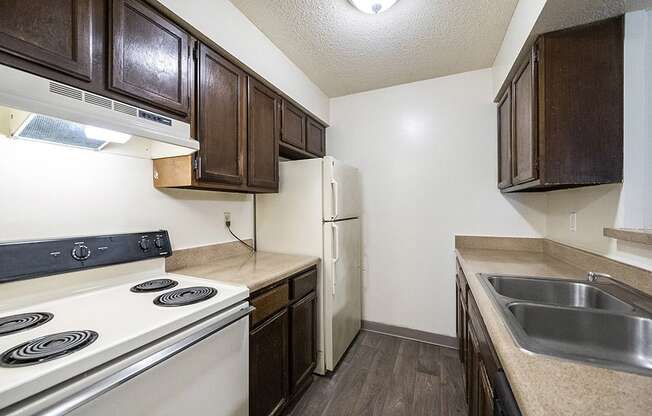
{"x": 303, "y": 284}
{"x": 268, "y": 303}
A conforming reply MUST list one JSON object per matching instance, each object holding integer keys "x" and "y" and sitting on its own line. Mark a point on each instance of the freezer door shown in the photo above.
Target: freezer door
{"x": 342, "y": 287}
{"x": 341, "y": 190}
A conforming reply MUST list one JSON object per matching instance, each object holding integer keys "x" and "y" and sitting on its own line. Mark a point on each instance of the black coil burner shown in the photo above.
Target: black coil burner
{"x": 16, "y": 323}
{"x": 49, "y": 347}
{"x": 185, "y": 296}
{"x": 155, "y": 285}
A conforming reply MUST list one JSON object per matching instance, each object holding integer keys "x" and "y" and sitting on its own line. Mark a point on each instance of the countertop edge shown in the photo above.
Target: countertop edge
{"x": 211, "y": 271}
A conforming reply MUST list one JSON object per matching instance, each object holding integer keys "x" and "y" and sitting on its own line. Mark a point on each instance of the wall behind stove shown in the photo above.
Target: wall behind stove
{"x": 49, "y": 191}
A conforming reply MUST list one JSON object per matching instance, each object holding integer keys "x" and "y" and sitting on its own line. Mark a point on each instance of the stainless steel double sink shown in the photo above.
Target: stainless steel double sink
{"x": 605, "y": 323}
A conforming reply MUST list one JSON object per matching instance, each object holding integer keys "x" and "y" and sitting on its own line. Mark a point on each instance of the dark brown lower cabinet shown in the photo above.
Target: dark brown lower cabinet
{"x": 282, "y": 343}
{"x": 461, "y": 317}
{"x": 481, "y": 364}
{"x": 485, "y": 392}
{"x": 268, "y": 361}
{"x": 472, "y": 372}
{"x": 303, "y": 353}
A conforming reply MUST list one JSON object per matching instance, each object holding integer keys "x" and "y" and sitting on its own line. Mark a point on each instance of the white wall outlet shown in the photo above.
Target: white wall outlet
{"x": 573, "y": 221}
{"x": 227, "y": 217}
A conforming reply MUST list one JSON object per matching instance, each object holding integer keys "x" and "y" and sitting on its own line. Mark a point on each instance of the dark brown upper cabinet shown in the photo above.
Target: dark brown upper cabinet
{"x": 566, "y": 111}
{"x": 263, "y": 133}
{"x": 149, "y": 56}
{"x": 135, "y": 52}
{"x": 221, "y": 119}
{"x": 524, "y": 133}
{"x": 55, "y": 34}
{"x": 302, "y": 137}
{"x": 293, "y": 126}
{"x": 505, "y": 140}
{"x": 315, "y": 138}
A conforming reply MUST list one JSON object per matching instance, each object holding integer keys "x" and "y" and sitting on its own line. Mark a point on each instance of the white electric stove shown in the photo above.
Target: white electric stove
{"x": 145, "y": 343}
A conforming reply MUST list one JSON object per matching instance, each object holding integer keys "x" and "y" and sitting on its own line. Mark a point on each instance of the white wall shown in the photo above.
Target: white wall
{"x": 523, "y": 20}
{"x": 622, "y": 206}
{"x": 54, "y": 191}
{"x": 427, "y": 155}
{"x": 49, "y": 191}
{"x": 222, "y": 22}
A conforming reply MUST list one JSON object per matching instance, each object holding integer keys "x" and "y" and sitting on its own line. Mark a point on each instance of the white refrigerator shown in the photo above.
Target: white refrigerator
{"x": 317, "y": 212}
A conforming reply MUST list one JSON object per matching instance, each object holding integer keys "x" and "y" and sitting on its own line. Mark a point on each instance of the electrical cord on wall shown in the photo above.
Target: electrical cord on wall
{"x": 228, "y": 227}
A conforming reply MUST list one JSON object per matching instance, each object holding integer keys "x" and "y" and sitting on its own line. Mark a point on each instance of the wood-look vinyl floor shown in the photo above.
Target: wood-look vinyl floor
{"x": 385, "y": 375}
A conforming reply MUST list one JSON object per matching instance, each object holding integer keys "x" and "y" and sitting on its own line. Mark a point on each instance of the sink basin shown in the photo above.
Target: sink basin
{"x": 616, "y": 340}
{"x": 604, "y": 324}
{"x": 557, "y": 292}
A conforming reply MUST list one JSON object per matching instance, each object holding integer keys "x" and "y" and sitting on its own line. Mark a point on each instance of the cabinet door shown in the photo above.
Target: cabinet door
{"x": 485, "y": 393}
{"x": 303, "y": 351}
{"x": 55, "y": 34}
{"x": 293, "y": 126}
{"x": 221, "y": 119}
{"x": 149, "y": 57}
{"x": 472, "y": 372}
{"x": 315, "y": 138}
{"x": 263, "y": 136}
{"x": 460, "y": 321}
{"x": 505, "y": 140}
{"x": 268, "y": 361}
{"x": 524, "y": 115}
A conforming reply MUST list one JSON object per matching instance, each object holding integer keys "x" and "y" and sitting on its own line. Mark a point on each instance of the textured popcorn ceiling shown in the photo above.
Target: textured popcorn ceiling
{"x": 344, "y": 51}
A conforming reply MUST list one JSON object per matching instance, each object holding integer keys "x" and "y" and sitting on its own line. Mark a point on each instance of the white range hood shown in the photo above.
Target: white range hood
{"x": 51, "y": 105}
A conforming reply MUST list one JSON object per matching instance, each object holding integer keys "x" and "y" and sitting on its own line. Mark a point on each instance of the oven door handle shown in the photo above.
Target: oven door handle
{"x": 122, "y": 376}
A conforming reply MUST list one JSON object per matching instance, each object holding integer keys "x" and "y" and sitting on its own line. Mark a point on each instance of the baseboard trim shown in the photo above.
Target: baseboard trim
{"x": 413, "y": 334}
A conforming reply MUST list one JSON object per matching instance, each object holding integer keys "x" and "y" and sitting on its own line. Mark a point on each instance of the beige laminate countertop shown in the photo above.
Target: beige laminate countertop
{"x": 254, "y": 270}
{"x": 546, "y": 385}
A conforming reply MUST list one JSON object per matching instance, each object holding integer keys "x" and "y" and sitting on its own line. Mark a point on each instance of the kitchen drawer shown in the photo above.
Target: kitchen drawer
{"x": 303, "y": 284}
{"x": 268, "y": 303}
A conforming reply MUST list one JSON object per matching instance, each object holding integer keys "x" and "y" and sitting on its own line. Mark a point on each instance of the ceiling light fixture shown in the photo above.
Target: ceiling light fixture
{"x": 373, "y": 6}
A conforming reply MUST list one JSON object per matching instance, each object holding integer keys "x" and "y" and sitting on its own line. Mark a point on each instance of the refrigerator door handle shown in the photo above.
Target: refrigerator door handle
{"x": 336, "y": 252}
{"x": 336, "y": 191}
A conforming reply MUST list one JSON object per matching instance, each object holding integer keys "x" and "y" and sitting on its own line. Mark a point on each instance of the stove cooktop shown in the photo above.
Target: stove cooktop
{"x": 21, "y": 322}
{"x": 49, "y": 347}
{"x": 185, "y": 296}
{"x": 79, "y": 332}
{"x": 154, "y": 285}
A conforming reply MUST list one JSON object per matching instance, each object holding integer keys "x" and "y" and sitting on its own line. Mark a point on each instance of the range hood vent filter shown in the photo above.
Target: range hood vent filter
{"x": 52, "y": 130}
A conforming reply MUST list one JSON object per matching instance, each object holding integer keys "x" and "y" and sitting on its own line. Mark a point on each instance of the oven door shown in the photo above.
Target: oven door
{"x": 204, "y": 370}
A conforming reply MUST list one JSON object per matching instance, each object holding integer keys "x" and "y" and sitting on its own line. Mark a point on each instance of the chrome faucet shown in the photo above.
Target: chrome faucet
{"x": 594, "y": 276}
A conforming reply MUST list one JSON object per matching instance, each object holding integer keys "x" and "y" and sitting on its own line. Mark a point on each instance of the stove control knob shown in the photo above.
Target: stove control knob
{"x": 145, "y": 244}
{"x": 158, "y": 242}
{"x": 81, "y": 252}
